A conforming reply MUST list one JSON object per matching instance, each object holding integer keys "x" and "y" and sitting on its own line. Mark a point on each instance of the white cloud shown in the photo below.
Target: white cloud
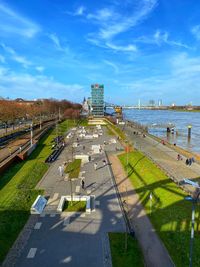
{"x": 119, "y": 22}
{"x": 159, "y": 38}
{"x": 127, "y": 48}
{"x": 39, "y": 68}
{"x": 103, "y": 15}
{"x": 80, "y": 10}
{"x": 113, "y": 22}
{"x": 57, "y": 43}
{"x": 39, "y": 86}
{"x": 182, "y": 79}
{"x": 12, "y": 23}
{"x": 183, "y": 64}
{"x": 14, "y": 56}
{"x": 113, "y": 65}
{"x": 196, "y": 32}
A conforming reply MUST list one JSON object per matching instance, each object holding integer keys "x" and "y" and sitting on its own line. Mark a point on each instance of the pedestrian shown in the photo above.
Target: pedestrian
{"x": 187, "y": 162}
{"x": 190, "y": 162}
{"x": 178, "y": 157}
{"x": 95, "y": 166}
{"x": 104, "y": 162}
{"x": 61, "y": 170}
{"x": 82, "y": 183}
{"x": 192, "y": 159}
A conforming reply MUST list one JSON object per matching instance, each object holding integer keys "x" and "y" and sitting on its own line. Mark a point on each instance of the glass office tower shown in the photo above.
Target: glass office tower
{"x": 97, "y": 92}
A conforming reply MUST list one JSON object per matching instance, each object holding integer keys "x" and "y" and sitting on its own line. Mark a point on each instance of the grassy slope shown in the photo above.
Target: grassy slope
{"x": 109, "y": 131}
{"x": 171, "y": 214}
{"x": 73, "y": 168}
{"x": 17, "y": 191}
{"x": 116, "y": 130}
{"x": 132, "y": 257}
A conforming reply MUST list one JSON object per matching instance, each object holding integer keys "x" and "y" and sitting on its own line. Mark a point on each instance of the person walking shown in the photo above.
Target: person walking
{"x": 187, "y": 162}
{"x": 61, "y": 170}
{"x": 178, "y": 157}
{"x": 104, "y": 162}
{"x": 95, "y": 166}
{"x": 82, "y": 183}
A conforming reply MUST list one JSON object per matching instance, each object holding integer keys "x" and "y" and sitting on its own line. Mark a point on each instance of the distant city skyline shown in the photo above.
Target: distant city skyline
{"x": 139, "y": 49}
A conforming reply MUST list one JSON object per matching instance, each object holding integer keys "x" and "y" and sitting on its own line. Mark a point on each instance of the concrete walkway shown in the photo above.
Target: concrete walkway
{"x": 166, "y": 158}
{"x": 155, "y": 254}
{"x": 71, "y": 238}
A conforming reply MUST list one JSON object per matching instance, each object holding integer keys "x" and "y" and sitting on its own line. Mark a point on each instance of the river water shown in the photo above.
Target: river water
{"x": 181, "y": 121}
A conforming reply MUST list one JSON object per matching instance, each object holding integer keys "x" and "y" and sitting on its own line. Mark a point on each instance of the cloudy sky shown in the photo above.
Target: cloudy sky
{"x": 139, "y": 49}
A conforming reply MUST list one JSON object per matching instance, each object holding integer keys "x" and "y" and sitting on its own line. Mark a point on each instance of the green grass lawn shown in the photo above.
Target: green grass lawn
{"x": 74, "y": 206}
{"x": 131, "y": 257}
{"x": 169, "y": 212}
{"x": 109, "y": 131}
{"x": 73, "y": 168}
{"x": 116, "y": 130}
{"x": 17, "y": 191}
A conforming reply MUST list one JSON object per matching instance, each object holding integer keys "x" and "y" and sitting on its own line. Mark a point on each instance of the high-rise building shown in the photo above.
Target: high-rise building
{"x": 151, "y": 103}
{"x": 97, "y": 92}
{"x": 160, "y": 102}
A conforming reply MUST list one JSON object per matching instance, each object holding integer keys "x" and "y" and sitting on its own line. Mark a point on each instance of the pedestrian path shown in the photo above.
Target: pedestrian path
{"x": 166, "y": 158}
{"x": 155, "y": 254}
{"x": 74, "y": 238}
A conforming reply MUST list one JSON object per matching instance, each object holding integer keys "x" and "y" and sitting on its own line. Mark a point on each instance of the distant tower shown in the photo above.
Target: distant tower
{"x": 139, "y": 104}
{"x": 160, "y": 102}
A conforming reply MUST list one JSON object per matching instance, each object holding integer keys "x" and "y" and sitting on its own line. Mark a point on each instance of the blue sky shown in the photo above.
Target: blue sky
{"x": 139, "y": 49}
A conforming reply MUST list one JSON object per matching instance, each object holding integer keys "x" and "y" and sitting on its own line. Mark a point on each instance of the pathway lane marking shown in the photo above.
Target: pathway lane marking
{"x": 31, "y": 253}
{"x": 37, "y": 225}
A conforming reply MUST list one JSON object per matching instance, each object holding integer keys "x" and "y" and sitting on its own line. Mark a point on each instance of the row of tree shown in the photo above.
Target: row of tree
{"x": 13, "y": 111}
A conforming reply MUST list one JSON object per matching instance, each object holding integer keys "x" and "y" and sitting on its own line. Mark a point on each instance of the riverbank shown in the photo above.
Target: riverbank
{"x": 165, "y": 157}
{"x": 181, "y": 120}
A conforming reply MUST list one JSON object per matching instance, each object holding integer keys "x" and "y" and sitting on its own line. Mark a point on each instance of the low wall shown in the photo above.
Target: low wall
{"x": 75, "y": 198}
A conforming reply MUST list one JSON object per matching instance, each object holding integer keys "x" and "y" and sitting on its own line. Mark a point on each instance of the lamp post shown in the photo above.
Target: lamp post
{"x": 194, "y": 201}
{"x": 31, "y": 134}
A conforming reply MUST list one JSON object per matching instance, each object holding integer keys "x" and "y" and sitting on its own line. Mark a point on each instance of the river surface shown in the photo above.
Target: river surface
{"x": 181, "y": 121}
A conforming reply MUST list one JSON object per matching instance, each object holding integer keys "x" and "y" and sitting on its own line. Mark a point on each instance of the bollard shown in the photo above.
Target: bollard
{"x": 189, "y": 131}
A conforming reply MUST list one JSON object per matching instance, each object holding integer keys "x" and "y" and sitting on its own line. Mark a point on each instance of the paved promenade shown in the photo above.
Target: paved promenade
{"x": 75, "y": 239}
{"x": 155, "y": 253}
{"x": 165, "y": 157}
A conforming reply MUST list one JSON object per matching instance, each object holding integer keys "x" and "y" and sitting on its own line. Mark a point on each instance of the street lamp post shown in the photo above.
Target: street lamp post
{"x": 31, "y": 134}
{"x": 194, "y": 201}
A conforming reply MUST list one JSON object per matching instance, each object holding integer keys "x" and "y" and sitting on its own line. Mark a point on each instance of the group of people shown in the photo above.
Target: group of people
{"x": 189, "y": 161}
